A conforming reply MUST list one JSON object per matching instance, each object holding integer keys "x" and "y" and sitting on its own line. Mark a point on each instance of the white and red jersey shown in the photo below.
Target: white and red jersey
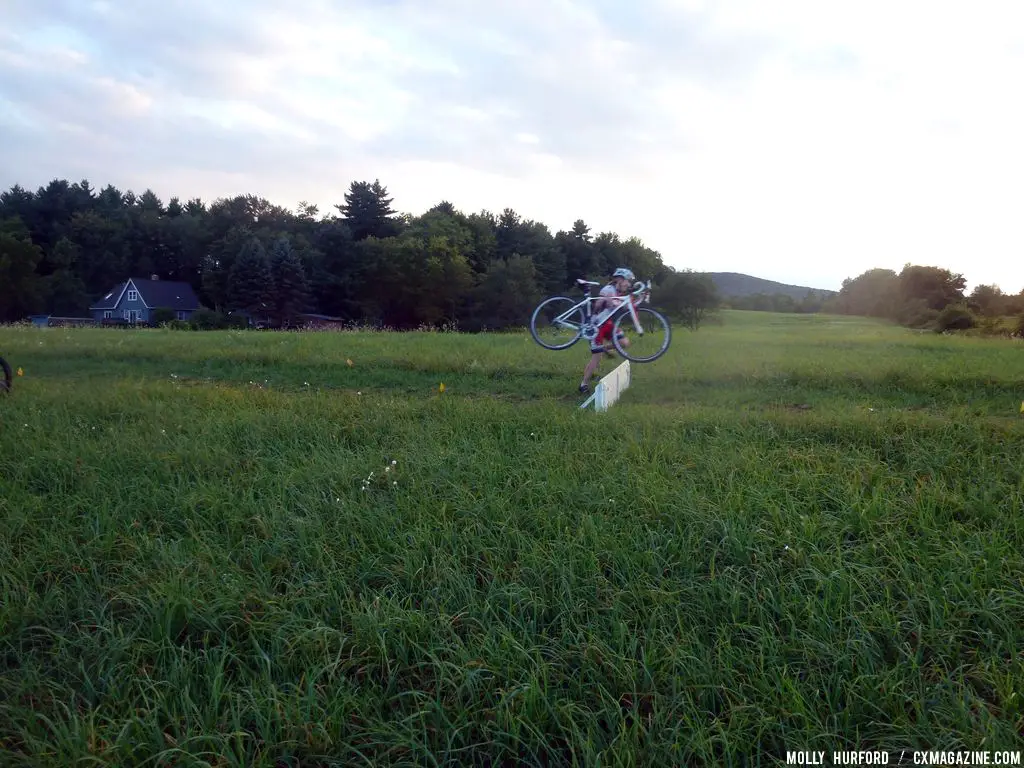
{"x": 609, "y": 292}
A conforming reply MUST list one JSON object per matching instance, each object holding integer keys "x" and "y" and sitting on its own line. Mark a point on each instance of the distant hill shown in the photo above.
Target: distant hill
{"x": 734, "y": 284}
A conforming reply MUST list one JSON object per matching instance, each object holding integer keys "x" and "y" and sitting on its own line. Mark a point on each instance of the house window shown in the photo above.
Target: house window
{"x": 133, "y": 295}
{"x": 107, "y": 314}
{"x": 181, "y": 314}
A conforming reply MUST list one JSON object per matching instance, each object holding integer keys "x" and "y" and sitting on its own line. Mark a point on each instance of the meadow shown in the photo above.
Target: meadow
{"x": 274, "y": 549}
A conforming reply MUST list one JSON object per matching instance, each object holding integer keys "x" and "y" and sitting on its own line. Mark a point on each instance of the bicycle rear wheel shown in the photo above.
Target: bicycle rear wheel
{"x": 6, "y": 379}
{"x": 649, "y": 345}
{"x": 553, "y": 324}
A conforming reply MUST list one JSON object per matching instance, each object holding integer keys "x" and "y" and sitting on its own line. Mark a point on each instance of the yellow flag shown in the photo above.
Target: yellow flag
{"x": 22, "y": 373}
{"x": 441, "y": 388}
{"x": 349, "y": 363}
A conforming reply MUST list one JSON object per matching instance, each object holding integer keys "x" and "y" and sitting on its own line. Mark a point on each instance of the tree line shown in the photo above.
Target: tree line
{"x": 67, "y": 244}
{"x": 923, "y": 297}
{"x": 928, "y": 297}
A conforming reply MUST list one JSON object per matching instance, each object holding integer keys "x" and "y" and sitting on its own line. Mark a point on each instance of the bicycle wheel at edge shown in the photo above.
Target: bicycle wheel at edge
{"x": 6, "y": 379}
{"x": 658, "y": 318}
{"x": 576, "y": 319}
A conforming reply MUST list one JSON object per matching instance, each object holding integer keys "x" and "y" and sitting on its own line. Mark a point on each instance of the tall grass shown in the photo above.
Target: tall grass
{"x": 791, "y": 532}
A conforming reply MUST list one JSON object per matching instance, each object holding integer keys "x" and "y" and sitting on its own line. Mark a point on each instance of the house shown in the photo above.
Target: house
{"x": 135, "y": 300}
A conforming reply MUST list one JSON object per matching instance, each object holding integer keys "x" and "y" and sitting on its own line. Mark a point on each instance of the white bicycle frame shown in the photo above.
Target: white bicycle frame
{"x": 600, "y": 319}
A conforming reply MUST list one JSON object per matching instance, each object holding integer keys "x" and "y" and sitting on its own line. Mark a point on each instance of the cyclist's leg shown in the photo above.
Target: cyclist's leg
{"x": 597, "y": 351}
{"x": 609, "y": 347}
{"x": 588, "y": 372}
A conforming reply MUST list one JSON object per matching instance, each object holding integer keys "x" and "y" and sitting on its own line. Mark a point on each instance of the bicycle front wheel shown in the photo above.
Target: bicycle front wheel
{"x": 6, "y": 379}
{"x": 556, "y": 323}
{"x": 648, "y": 345}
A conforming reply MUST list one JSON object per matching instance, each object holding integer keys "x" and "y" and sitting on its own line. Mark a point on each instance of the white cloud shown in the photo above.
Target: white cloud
{"x": 797, "y": 140}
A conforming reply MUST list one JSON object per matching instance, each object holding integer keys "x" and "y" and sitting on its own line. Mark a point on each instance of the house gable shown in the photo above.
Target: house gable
{"x": 128, "y": 287}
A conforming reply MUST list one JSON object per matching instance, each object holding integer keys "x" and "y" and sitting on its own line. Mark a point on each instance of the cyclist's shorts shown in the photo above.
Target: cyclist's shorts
{"x": 604, "y": 334}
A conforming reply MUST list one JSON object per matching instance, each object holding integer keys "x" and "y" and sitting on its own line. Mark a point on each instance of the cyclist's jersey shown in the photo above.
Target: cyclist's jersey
{"x": 609, "y": 292}
{"x": 605, "y": 331}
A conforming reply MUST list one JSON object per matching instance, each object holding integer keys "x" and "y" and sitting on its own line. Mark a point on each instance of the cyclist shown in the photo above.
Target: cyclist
{"x": 620, "y": 284}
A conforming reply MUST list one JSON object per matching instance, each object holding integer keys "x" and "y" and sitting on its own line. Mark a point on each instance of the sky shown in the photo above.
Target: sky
{"x": 803, "y": 141}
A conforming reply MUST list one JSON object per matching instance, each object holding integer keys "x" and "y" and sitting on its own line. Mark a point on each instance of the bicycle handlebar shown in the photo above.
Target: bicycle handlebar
{"x": 640, "y": 288}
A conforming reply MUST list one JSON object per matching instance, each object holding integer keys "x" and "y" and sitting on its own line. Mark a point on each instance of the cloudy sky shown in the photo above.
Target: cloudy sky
{"x": 798, "y": 140}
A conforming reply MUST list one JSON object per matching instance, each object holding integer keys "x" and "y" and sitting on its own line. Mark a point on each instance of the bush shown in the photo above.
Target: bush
{"x": 204, "y": 319}
{"x": 1018, "y": 330}
{"x": 181, "y": 325}
{"x": 236, "y": 322}
{"x": 993, "y": 326}
{"x": 954, "y": 318}
{"x": 161, "y": 315}
{"x": 917, "y": 314}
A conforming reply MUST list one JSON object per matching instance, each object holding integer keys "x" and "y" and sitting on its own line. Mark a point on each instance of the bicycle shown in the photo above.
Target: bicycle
{"x": 579, "y": 320}
{"x": 8, "y": 379}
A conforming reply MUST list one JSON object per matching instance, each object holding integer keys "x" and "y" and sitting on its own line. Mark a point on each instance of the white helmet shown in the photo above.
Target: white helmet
{"x": 623, "y": 272}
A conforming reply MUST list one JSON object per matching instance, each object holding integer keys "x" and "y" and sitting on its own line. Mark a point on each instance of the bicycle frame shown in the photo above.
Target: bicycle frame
{"x": 628, "y": 304}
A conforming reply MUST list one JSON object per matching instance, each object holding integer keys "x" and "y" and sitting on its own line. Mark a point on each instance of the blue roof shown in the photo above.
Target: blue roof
{"x": 155, "y": 293}
{"x": 110, "y": 300}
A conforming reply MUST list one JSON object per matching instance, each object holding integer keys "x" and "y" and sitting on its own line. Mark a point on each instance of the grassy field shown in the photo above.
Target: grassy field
{"x": 235, "y": 548}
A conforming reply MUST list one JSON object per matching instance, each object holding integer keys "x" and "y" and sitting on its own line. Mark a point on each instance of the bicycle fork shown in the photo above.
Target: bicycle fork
{"x": 636, "y": 319}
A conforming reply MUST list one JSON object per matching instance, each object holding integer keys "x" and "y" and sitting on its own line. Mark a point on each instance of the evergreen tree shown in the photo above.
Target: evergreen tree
{"x": 63, "y": 288}
{"x": 367, "y": 211}
{"x": 291, "y": 288}
{"x": 174, "y": 208}
{"x": 250, "y": 281}
{"x": 19, "y": 284}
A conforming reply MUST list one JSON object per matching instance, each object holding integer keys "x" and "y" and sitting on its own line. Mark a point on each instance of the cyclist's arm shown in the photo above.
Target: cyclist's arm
{"x": 603, "y": 301}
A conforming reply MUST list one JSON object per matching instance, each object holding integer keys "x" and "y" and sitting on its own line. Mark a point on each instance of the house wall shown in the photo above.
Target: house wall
{"x": 125, "y": 306}
{"x": 99, "y": 315}
{"x": 144, "y": 313}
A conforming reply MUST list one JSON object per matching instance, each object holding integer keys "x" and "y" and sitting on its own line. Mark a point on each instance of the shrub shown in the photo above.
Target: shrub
{"x": 1018, "y": 330}
{"x": 161, "y": 315}
{"x": 993, "y": 326}
{"x": 236, "y": 322}
{"x": 204, "y": 319}
{"x": 917, "y": 314}
{"x": 954, "y": 318}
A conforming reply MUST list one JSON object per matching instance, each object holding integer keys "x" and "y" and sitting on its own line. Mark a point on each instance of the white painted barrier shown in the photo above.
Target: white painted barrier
{"x": 609, "y": 388}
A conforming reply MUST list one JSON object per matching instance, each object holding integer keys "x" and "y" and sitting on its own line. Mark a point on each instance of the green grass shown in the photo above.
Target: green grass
{"x": 791, "y": 532}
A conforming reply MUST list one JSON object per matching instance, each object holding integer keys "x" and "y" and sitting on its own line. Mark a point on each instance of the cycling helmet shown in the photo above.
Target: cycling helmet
{"x": 623, "y": 272}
